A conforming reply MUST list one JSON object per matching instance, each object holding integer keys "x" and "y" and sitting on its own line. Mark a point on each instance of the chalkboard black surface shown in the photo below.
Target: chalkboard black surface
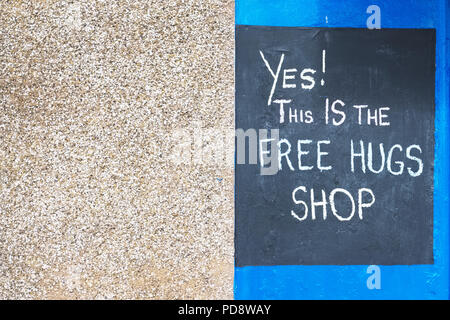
{"x": 355, "y": 114}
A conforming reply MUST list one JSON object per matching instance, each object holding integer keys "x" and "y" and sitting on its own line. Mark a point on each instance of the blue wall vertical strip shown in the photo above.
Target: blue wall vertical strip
{"x": 349, "y": 282}
{"x": 444, "y": 10}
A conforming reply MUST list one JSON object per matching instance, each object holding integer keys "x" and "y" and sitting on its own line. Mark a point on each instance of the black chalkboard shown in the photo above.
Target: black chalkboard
{"x": 384, "y": 83}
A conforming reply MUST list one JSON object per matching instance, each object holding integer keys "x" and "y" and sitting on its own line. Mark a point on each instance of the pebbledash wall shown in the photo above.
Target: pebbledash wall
{"x": 91, "y": 204}
{"x": 350, "y": 282}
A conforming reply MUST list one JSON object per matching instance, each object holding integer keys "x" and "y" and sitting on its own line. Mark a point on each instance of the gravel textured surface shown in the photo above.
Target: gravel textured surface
{"x": 91, "y": 203}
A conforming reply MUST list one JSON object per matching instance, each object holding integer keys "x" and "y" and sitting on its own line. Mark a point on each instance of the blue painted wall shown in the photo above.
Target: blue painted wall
{"x": 349, "y": 282}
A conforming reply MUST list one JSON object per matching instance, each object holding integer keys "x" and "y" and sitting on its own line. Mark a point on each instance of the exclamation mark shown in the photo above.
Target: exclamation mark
{"x": 322, "y": 82}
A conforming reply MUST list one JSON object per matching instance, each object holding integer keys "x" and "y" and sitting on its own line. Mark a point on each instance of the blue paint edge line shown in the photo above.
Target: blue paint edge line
{"x": 348, "y": 282}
